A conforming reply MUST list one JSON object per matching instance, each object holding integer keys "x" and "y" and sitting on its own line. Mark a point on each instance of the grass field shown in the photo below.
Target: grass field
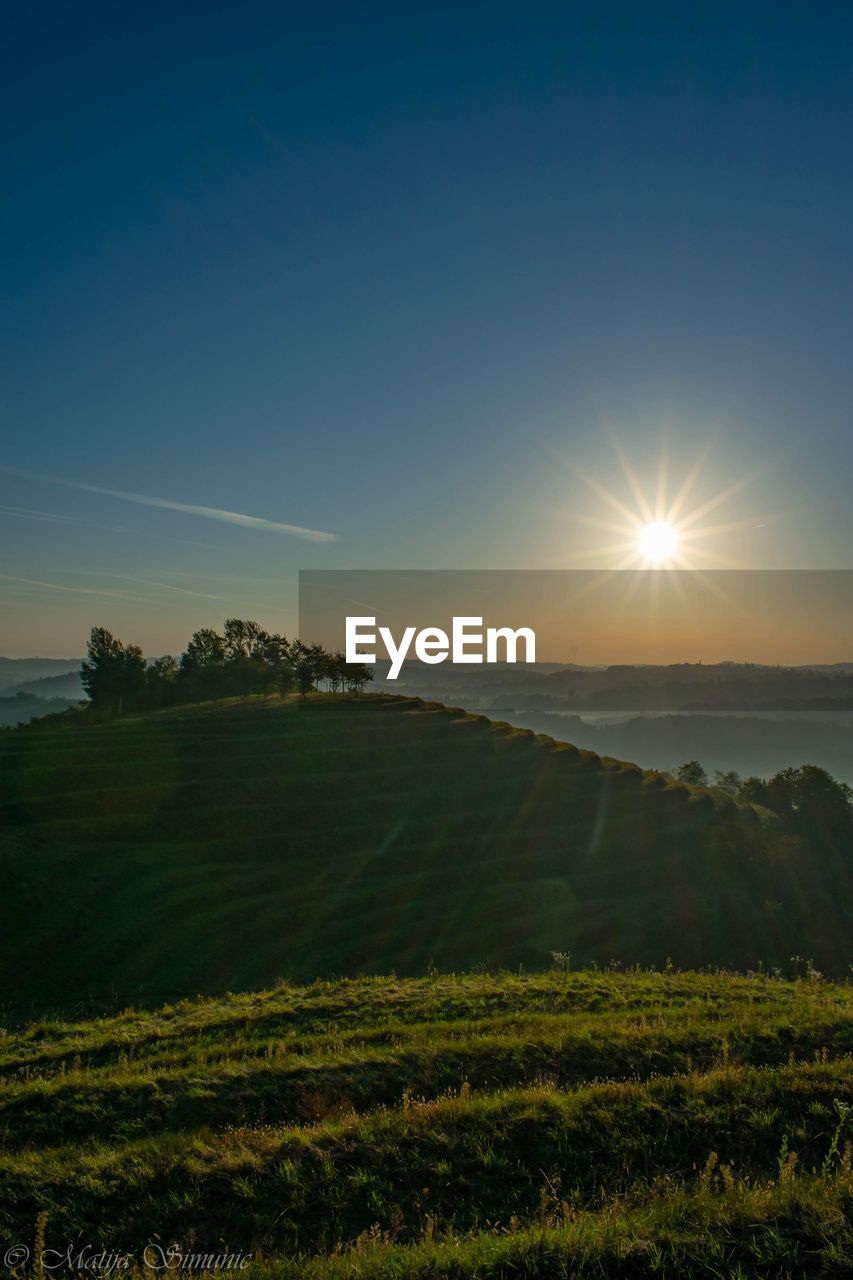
{"x": 559, "y": 1124}
{"x": 516, "y": 1121}
{"x": 223, "y": 847}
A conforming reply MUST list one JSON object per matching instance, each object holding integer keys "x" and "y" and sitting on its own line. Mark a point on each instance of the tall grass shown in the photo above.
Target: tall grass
{"x": 554, "y": 1124}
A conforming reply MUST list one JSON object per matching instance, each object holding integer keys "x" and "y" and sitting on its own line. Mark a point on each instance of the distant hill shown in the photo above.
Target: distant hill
{"x": 15, "y": 672}
{"x": 66, "y": 685}
{"x": 745, "y": 743}
{"x": 20, "y": 708}
{"x": 696, "y": 686}
{"x": 220, "y": 847}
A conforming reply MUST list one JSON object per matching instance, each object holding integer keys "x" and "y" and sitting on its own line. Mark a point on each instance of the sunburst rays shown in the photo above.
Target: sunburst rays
{"x": 664, "y": 525}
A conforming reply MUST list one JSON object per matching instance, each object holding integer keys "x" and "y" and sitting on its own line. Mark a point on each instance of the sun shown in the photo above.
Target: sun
{"x": 659, "y": 529}
{"x": 657, "y": 542}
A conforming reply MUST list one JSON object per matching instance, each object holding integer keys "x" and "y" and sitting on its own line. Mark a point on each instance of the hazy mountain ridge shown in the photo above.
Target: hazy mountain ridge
{"x": 22, "y": 707}
{"x": 64, "y": 685}
{"x": 746, "y": 744}
{"x": 15, "y": 672}
{"x": 799, "y": 714}
{"x": 675, "y": 687}
{"x": 35, "y": 687}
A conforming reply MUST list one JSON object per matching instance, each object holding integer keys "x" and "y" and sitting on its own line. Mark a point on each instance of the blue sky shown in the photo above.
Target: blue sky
{"x": 400, "y": 273}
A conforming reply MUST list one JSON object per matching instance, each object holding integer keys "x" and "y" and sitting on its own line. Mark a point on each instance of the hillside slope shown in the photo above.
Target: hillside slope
{"x": 213, "y": 848}
{"x": 66, "y": 685}
{"x": 581, "y": 1124}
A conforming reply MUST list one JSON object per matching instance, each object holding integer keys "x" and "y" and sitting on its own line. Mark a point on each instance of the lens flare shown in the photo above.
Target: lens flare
{"x": 655, "y": 528}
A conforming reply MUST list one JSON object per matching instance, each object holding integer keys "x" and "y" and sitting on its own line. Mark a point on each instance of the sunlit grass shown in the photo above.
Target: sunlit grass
{"x": 466, "y": 1125}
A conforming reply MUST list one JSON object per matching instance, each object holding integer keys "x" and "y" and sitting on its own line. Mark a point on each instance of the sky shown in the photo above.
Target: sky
{"x": 588, "y": 617}
{"x": 412, "y": 285}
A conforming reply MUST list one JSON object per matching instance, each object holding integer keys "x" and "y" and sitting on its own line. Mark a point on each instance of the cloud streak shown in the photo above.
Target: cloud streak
{"x": 77, "y": 591}
{"x": 26, "y": 513}
{"x": 187, "y": 508}
{"x": 53, "y": 517}
{"x": 150, "y": 582}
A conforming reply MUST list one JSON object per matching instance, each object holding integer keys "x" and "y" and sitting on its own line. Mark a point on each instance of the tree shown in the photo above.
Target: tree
{"x": 244, "y": 660}
{"x": 242, "y": 639}
{"x": 812, "y": 801}
{"x": 309, "y": 665}
{"x": 276, "y": 654}
{"x": 693, "y": 773}
{"x": 206, "y": 649}
{"x": 332, "y": 668}
{"x": 753, "y": 790}
{"x": 113, "y": 674}
{"x": 254, "y": 660}
{"x": 357, "y": 675}
{"x": 202, "y": 662}
{"x": 728, "y": 781}
{"x": 161, "y": 680}
{"x": 166, "y": 667}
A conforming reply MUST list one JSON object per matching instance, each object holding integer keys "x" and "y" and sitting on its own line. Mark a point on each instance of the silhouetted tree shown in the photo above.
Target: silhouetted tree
{"x": 693, "y": 773}
{"x": 113, "y": 674}
{"x": 357, "y": 675}
{"x": 812, "y": 801}
{"x": 308, "y": 665}
{"x": 245, "y": 659}
{"x": 202, "y": 664}
{"x": 753, "y": 790}
{"x": 242, "y": 638}
{"x": 161, "y": 681}
{"x": 275, "y": 651}
{"x": 728, "y": 781}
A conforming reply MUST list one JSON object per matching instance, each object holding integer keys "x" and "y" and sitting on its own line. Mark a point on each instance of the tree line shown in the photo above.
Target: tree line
{"x": 241, "y": 660}
{"x": 808, "y": 799}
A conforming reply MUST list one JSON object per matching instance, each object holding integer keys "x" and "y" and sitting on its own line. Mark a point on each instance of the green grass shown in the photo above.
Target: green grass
{"x": 278, "y": 1057}
{"x": 504, "y": 1123}
{"x": 739, "y": 1234}
{"x": 219, "y": 848}
{"x": 558, "y": 1124}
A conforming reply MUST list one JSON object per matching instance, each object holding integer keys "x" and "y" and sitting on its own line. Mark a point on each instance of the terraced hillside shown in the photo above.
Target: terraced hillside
{"x": 224, "y": 847}
{"x": 583, "y": 1124}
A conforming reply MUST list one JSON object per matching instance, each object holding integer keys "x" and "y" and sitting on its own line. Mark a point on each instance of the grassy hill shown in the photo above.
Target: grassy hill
{"x": 222, "y": 847}
{"x": 562, "y": 1124}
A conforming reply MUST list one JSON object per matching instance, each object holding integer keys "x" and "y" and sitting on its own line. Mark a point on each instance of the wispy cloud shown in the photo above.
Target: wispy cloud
{"x": 150, "y": 582}
{"x": 26, "y": 513}
{"x": 112, "y": 595}
{"x": 81, "y": 591}
{"x": 53, "y": 517}
{"x": 188, "y": 508}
